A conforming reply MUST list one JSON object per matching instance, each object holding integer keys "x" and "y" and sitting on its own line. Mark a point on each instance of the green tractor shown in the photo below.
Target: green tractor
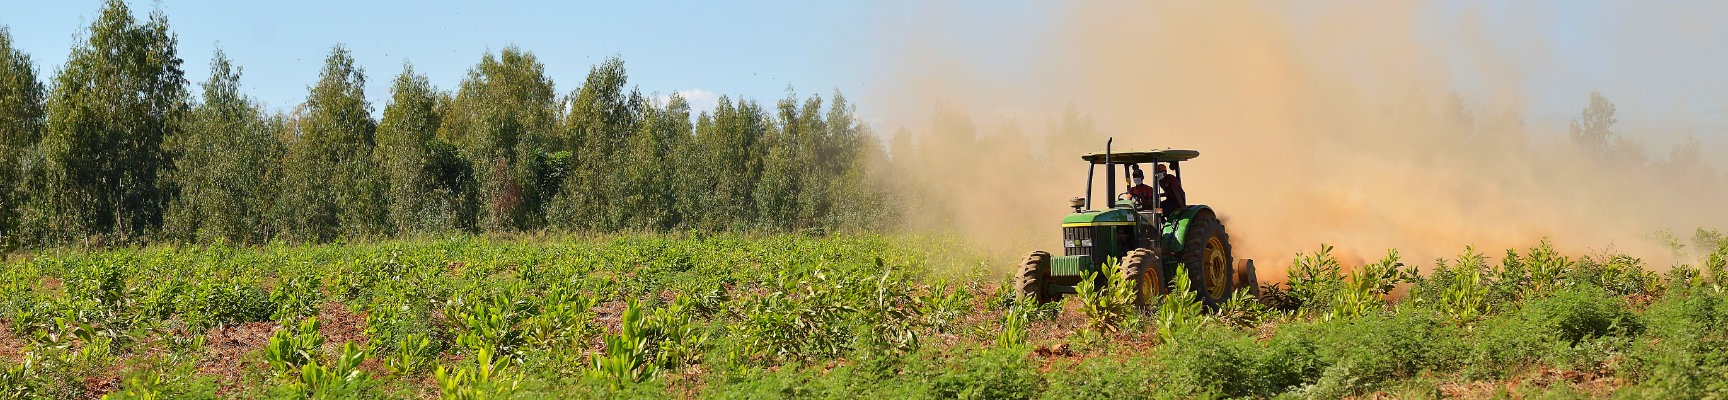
{"x": 1148, "y": 242}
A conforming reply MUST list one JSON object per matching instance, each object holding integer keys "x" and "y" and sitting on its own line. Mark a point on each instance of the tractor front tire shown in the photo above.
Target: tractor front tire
{"x": 1033, "y": 277}
{"x": 1140, "y": 268}
{"x": 1206, "y": 256}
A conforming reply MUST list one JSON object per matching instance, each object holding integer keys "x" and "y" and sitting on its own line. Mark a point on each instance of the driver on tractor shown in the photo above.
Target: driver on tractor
{"x": 1141, "y": 192}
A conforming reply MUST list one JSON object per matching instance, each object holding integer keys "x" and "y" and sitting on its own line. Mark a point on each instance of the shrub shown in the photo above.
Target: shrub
{"x": 1215, "y": 363}
{"x": 1096, "y": 378}
{"x": 990, "y": 374}
{"x": 1346, "y": 356}
{"x": 1563, "y": 329}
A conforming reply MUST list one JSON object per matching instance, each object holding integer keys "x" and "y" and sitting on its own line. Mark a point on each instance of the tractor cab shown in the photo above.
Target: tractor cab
{"x": 1146, "y": 242}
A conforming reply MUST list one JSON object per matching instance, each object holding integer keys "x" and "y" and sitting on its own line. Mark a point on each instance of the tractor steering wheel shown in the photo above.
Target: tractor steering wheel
{"x": 1139, "y": 203}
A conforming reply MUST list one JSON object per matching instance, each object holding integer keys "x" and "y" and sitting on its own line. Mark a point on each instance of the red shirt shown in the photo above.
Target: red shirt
{"x": 1143, "y": 192}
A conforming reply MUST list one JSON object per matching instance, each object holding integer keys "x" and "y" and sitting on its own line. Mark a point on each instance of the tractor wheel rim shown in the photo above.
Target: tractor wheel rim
{"x": 1213, "y": 262}
{"x": 1148, "y": 285}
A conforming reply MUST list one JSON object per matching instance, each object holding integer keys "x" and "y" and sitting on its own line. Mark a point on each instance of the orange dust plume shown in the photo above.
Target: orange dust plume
{"x": 1332, "y": 124}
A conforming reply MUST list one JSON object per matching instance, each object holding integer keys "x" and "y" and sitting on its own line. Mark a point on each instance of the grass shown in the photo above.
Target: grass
{"x": 848, "y": 316}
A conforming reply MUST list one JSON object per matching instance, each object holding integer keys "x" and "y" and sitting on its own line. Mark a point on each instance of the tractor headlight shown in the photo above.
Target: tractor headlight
{"x": 1077, "y": 243}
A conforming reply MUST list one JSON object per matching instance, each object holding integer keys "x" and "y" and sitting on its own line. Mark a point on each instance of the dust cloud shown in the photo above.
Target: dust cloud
{"x": 1334, "y": 124}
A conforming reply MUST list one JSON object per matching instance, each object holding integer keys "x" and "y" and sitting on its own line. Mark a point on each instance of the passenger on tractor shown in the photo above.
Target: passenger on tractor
{"x": 1141, "y": 191}
{"x": 1171, "y": 186}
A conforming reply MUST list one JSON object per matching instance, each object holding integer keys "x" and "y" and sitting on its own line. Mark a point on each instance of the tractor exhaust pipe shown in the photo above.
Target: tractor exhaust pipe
{"x": 1109, "y": 178}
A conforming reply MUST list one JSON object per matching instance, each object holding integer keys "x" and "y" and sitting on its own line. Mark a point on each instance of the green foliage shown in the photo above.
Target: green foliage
{"x": 1311, "y": 278}
{"x": 103, "y": 152}
{"x": 432, "y": 186}
{"x": 487, "y": 377}
{"x": 991, "y": 374}
{"x": 1180, "y": 313}
{"x": 503, "y": 115}
{"x": 1576, "y": 327}
{"x": 1100, "y": 379}
{"x": 1211, "y": 364}
{"x": 799, "y": 316}
{"x": 1107, "y": 308}
{"x": 333, "y": 187}
{"x": 290, "y": 350}
{"x": 227, "y": 168}
{"x": 21, "y": 125}
{"x": 628, "y": 355}
{"x": 179, "y": 382}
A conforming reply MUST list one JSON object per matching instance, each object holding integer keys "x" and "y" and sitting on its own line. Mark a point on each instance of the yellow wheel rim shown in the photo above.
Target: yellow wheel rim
{"x": 1217, "y": 270}
{"x": 1149, "y": 284}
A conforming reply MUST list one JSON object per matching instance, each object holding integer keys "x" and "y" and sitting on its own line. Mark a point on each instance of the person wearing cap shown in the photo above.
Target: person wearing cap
{"x": 1171, "y": 186}
{"x": 1140, "y": 190}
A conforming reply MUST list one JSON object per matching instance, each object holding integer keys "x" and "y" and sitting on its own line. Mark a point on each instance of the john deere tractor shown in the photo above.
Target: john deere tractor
{"x": 1146, "y": 241}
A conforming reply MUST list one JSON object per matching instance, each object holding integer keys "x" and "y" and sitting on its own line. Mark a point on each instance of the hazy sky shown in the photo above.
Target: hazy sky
{"x": 1663, "y": 63}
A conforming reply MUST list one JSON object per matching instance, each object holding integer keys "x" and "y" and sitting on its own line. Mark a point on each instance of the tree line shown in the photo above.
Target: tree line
{"x": 116, "y": 149}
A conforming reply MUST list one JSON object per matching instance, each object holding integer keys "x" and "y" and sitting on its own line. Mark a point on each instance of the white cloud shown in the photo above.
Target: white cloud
{"x": 700, "y": 100}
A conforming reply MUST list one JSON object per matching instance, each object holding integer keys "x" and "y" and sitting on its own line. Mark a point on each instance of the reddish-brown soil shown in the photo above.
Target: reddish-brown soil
{"x": 11, "y": 346}
{"x": 97, "y": 386}
{"x": 228, "y": 350}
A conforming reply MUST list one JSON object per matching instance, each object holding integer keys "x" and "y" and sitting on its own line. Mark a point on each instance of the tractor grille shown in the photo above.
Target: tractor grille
{"x": 1077, "y": 241}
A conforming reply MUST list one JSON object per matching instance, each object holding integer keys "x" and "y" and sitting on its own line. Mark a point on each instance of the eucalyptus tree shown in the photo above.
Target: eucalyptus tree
{"x": 652, "y": 169}
{"x": 120, "y": 94}
{"x": 21, "y": 119}
{"x": 786, "y": 164}
{"x": 853, "y": 166}
{"x": 228, "y": 165}
{"x": 333, "y": 187}
{"x": 504, "y": 120}
{"x": 597, "y": 127}
{"x": 732, "y": 143}
{"x": 431, "y": 184}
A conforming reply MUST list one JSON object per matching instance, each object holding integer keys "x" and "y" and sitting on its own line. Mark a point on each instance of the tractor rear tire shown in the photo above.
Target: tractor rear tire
{"x": 1206, "y": 255}
{"x": 1033, "y": 277}
{"x": 1141, "y": 268}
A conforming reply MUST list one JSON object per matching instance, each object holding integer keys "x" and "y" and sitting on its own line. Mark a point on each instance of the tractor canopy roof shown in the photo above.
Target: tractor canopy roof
{"x": 1142, "y": 156}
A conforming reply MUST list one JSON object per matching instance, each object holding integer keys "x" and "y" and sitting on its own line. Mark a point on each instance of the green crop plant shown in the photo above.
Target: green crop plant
{"x": 1109, "y": 308}
{"x": 291, "y": 349}
{"x": 16, "y": 380}
{"x": 1311, "y": 280}
{"x": 890, "y": 316}
{"x": 1180, "y": 313}
{"x": 627, "y": 355}
{"x": 489, "y": 321}
{"x": 488, "y": 377}
{"x": 679, "y": 342}
{"x": 296, "y": 296}
{"x": 1013, "y": 331}
{"x": 1363, "y": 290}
{"x": 562, "y": 317}
{"x": 1716, "y": 264}
{"x": 1243, "y": 310}
{"x": 942, "y": 304}
{"x": 1465, "y": 296}
{"x": 339, "y": 377}
{"x": 410, "y": 354}
{"x": 810, "y": 318}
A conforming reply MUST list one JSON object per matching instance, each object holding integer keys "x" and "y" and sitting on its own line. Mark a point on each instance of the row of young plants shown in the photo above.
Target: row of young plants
{"x": 841, "y": 316}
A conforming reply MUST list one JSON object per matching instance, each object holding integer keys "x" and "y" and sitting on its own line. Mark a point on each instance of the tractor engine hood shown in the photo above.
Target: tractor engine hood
{"x": 1117, "y": 216}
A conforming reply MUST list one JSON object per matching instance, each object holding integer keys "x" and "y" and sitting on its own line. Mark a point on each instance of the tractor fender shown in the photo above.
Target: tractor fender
{"x": 1176, "y": 229}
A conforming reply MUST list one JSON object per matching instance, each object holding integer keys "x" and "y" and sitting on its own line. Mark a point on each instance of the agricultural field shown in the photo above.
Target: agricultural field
{"x": 793, "y": 316}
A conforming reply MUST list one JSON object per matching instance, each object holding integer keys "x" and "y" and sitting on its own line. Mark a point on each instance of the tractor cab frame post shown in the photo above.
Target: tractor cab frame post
{"x": 1109, "y": 178}
{"x": 1090, "y": 169}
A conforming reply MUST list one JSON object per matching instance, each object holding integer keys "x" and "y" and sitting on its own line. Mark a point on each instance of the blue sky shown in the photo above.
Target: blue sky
{"x": 1662, "y": 62}
{"x": 755, "y": 48}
